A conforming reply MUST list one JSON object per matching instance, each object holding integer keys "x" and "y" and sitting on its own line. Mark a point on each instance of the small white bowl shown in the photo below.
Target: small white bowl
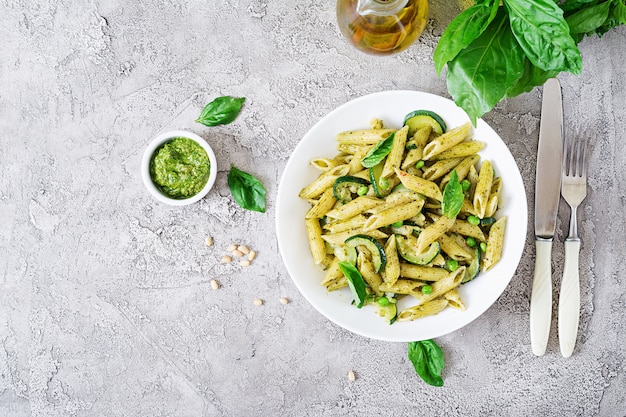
{"x": 149, "y": 152}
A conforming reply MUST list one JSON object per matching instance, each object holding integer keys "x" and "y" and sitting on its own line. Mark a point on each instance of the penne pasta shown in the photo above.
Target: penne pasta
{"x": 423, "y": 310}
{"x": 454, "y": 299}
{"x": 393, "y": 215}
{"x": 461, "y": 150}
{"x": 439, "y": 288}
{"x": 394, "y": 159}
{"x": 326, "y": 202}
{"x": 324, "y": 181}
{"x": 354, "y": 207}
{"x": 395, "y": 207}
{"x": 446, "y": 141}
{"x": 495, "y": 243}
{"x": 422, "y": 273}
{"x": 440, "y": 168}
{"x": 316, "y": 243}
{"x": 483, "y": 189}
{"x": 370, "y": 276}
{"x": 364, "y": 137}
{"x": 433, "y": 232}
{"x": 420, "y": 185}
{"x": 391, "y": 273}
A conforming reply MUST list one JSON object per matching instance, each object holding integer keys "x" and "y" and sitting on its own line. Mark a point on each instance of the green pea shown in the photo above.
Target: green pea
{"x": 471, "y": 242}
{"x": 465, "y": 185}
{"x": 362, "y": 190}
{"x": 383, "y": 301}
{"x": 473, "y": 220}
{"x": 383, "y": 183}
{"x": 483, "y": 246}
{"x": 452, "y": 265}
{"x": 398, "y": 224}
{"x": 419, "y": 164}
{"x": 427, "y": 289}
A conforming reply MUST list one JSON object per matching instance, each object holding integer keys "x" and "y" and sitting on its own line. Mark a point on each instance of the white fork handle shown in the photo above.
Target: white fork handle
{"x": 541, "y": 298}
{"x": 569, "y": 299}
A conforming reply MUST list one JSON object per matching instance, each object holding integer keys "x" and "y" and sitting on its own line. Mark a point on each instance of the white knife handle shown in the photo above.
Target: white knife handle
{"x": 541, "y": 298}
{"x": 569, "y": 299}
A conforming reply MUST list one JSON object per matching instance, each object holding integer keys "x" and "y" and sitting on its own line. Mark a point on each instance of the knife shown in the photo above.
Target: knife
{"x": 547, "y": 193}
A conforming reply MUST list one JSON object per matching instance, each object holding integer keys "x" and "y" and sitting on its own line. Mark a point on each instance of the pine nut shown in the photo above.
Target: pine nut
{"x": 237, "y": 253}
{"x": 209, "y": 241}
{"x": 244, "y": 249}
{"x": 226, "y": 259}
{"x": 257, "y": 302}
{"x": 251, "y": 255}
{"x": 231, "y": 248}
{"x": 283, "y": 300}
{"x": 214, "y": 284}
{"x": 244, "y": 263}
{"x": 351, "y": 375}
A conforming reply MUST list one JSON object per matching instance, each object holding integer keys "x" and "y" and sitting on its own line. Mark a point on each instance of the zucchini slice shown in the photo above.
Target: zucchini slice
{"x": 473, "y": 269}
{"x": 347, "y": 186}
{"x": 388, "y": 312}
{"x": 420, "y": 118}
{"x": 376, "y": 249}
{"x": 375, "y": 173}
{"x": 345, "y": 253}
{"x": 407, "y": 249}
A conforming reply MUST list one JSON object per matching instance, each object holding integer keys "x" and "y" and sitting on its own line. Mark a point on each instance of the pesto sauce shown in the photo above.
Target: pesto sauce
{"x": 180, "y": 168}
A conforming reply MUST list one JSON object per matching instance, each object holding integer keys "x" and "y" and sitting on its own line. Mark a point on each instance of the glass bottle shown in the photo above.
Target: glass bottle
{"x": 382, "y": 26}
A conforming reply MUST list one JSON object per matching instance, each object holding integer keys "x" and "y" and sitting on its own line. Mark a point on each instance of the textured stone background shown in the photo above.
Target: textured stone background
{"x": 105, "y": 302}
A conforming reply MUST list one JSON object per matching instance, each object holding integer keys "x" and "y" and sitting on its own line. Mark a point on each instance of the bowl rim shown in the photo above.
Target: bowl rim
{"x": 160, "y": 140}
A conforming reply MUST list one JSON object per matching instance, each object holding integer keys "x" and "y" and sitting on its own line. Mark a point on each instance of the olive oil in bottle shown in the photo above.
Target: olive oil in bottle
{"x": 382, "y": 26}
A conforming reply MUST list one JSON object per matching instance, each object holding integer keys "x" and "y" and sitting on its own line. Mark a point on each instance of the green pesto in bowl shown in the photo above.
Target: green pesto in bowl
{"x": 180, "y": 168}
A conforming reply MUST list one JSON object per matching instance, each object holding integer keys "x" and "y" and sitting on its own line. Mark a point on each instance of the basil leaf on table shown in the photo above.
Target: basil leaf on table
{"x": 531, "y": 78}
{"x": 452, "y": 197}
{"x": 480, "y": 75}
{"x": 378, "y": 152}
{"x": 589, "y": 19}
{"x": 427, "y": 359}
{"x": 543, "y": 34}
{"x": 247, "y": 191}
{"x": 221, "y": 111}
{"x": 463, "y": 29}
{"x": 355, "y": 282}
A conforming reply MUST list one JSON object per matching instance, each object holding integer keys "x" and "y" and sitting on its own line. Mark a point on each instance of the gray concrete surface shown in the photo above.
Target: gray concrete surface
{"x": 105, "y": 303}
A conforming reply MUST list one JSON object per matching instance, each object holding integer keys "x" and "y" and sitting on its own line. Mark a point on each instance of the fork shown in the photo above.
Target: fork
{"x": 574, "y": 191}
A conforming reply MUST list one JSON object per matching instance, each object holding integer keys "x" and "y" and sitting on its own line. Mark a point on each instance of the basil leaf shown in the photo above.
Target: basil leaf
{"x": 452, "y": 197}
{"x": 221, "y": 111}
{"x": 247, "y": 191}
{"x": 543, "y": 34}
{"x": 463, "y": 29}
{"x": 569, "y": 5}
{"x": 589, "y": 19}
{"x": 480, "y": 76}
{"x": 427, "y": 359}
{"x": 378, "y": 152}
{"x": 531, "y": 78}
{"x": 355, "y": 282}
{"x": 620, "y": 12}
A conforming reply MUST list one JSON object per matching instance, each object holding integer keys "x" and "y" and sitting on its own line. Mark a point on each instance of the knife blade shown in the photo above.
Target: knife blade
{"x": 547, "y": 195}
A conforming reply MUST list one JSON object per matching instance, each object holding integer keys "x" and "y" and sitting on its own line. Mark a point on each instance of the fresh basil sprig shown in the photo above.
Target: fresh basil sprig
{"x": 493, "y": 52}
{"x": 427, "y": 359}
{"x": 247, "y": 191}
{"x": 452, "y": 197}
{"x": 355, "y": 282}
{"x": 221, "y": 111}
{"x": 378, "y": 152}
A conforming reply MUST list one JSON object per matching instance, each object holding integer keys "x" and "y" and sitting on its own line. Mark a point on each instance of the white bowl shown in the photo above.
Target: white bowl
{"x": 159, "y": 141}
{"x": 391, "y": 106}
